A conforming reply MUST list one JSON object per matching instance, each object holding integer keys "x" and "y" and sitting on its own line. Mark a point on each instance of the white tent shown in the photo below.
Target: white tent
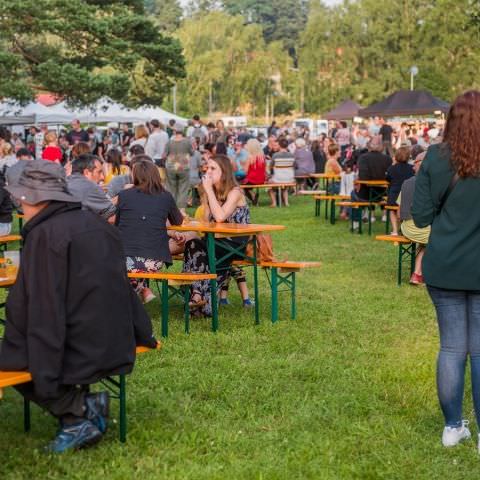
{"x": 12, "y": 113}
{"x": 106, "y": 110}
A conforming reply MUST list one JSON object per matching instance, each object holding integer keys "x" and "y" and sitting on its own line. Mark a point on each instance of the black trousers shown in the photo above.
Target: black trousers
{"x": 68, "y": 405}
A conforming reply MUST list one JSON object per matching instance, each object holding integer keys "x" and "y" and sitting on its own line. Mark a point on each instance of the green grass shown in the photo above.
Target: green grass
{"x": 345, "y": 391}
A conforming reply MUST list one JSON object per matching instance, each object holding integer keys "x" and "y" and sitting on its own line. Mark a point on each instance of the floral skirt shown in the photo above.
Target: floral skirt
{"x": 196, "y": 261}
{"x": 141, "y": 264}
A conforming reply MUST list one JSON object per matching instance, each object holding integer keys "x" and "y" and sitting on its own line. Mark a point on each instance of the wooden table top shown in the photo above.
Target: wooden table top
{"x": 372, "y": 183}
{"x": 328, "y": 176}
{"x": 237, "y": 229}
{"x": 7, "y": 282}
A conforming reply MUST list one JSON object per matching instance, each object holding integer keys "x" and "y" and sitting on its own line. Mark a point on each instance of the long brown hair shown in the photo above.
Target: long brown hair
{"x": 146, "y": 176}
{"x": 462, "y": 134}
{"x": 227, "y": 182}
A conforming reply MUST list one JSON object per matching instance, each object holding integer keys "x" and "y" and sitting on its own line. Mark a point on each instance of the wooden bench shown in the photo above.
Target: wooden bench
{"x": 406, "y": 250}
{"x": 174, "y": 283}
{"x": 116, "y": 387}
{"x": 328, "y": 198}
{"x": 276, "y": 186}
{"x": 282, "y": 273}
{"x": 389, "y": 208}
{"x": 7, "y": 239}
{"x": 355, "y": 206}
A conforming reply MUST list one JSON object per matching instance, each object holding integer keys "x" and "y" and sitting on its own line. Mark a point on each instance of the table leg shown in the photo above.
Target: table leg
{"x": 165, "y": 308}
{"x": 186, "y": 312}
{"x": 332, "y": 212}
{"x": 255, "y": 281}
{"x": 213, "y": 283}
{"x": 279, "y": 196}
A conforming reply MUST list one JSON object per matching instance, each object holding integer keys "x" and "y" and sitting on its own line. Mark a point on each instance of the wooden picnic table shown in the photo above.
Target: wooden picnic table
{"x": 214, "y": 233}
{"x": 275, "y": 186}
{"x": 373, "y": 195}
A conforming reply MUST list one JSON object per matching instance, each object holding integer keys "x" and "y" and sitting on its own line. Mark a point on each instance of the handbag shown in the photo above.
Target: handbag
{"x": 264, "y": 248}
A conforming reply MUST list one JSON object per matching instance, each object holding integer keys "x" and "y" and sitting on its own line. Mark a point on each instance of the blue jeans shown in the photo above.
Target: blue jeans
{"x": 458, "y": 316}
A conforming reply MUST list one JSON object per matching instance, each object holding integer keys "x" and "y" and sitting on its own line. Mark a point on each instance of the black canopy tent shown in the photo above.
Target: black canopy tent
{"x": 406, "y": 102}
{"x": 345, "y": 111}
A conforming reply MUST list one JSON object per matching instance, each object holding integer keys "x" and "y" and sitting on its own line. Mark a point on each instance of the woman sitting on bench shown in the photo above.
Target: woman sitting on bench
{"x": 223, "y": 202}
{"x": 283, "y": 170}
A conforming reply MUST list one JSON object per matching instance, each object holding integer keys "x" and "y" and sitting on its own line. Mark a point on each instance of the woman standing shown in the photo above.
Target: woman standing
{"x": 223, "y": 202}
{"x": 141, "y": 136}
{"x": 142, "y": 215}
{"x": 446, "y": 190}
{"x": 177, "y": 166}
{"x": 113, "y": 166}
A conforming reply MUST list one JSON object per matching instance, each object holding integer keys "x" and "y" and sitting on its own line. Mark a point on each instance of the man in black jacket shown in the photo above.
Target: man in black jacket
{"x": 372, "y": 165}
{"x": 72, "y": 317}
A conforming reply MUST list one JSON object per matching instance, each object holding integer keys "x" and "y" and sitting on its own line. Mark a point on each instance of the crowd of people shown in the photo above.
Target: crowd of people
{"x": 72, "y": 185}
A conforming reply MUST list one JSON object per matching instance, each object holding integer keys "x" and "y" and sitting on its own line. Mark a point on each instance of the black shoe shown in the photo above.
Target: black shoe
{"x": 98, "y": 409}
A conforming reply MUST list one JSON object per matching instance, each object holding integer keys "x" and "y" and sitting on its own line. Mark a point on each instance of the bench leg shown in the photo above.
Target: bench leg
{"x": 26, "y": 415}
{"x": 294, "y": 301}
{"x": 326, "y": 209}
{"x": 165, "y": 308}
{"x": 278, "y": 192}
{"x": 274, "y": 282}
{"x": 317, "y": 208}
{"x": 387, "y": 223}
{"x": 123, "y": 409}
{"x": 400, "y": 257}
{"x": 255, "y": 282}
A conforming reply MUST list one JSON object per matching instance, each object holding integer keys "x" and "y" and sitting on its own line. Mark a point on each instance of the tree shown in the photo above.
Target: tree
{"x": 360, "y": 51}
{"x": 281, "y": 20}
{"x": 84, "y": 50}
{"x": 166, "y": 14}
{"x": 229, "y": 63}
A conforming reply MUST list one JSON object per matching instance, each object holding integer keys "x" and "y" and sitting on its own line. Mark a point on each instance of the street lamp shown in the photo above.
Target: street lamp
{"x": 413, "y": 73}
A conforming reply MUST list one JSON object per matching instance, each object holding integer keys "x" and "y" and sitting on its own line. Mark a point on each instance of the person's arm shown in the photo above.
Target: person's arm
{"x": 175, "y": 217}
{"x": 221, "y": 212}
{"x": 98, "y": 201}
{"x": 423, "y": 207}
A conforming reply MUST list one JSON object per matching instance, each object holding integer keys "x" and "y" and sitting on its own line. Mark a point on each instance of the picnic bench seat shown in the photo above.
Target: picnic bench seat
{"x": 328, "y": 198}
{"x": 406, "y": 250}
{"x": 360, "y": 205}
{"x": 7, "y": 239}
{"x": 282, "y": 273}
{"x": 390, "y": 208}
{"x": 175, "y": 284}
{"x": 276, "y": 186}
{"x": 117, "y": 388}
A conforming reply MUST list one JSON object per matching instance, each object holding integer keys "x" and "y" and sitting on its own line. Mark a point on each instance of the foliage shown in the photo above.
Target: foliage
{"x": 365, "y": 52}
{"x": 281, "y": 20}
{"x": 347, "y": 391}
{"x": 228, "y": 58}
{"x": 84, "y": 49}
{"x": 166, "y": 14}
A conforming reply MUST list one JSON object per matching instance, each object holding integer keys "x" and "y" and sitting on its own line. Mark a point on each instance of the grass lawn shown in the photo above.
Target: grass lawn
{"x": 345, "y": 391}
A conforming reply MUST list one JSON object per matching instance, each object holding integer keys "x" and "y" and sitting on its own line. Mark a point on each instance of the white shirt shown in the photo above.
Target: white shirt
{"x": 156, "y": 143}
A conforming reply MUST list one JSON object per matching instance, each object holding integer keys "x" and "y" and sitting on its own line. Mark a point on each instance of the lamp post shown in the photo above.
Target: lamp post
{"x": 413, "y": 73}
{"x": 174, "y": 99}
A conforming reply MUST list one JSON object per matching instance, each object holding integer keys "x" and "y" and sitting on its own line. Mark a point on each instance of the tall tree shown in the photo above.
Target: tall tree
{"x": 85, "y": 49}
{"x": 228, "y": 64}
{"x": 281, "y": 20}
{"x": 166, "y": 14}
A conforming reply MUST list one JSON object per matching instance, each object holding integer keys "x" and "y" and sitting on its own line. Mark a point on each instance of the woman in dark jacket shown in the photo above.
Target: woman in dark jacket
{"x": 142, "y": 215}
{"x": 447, "y": 192}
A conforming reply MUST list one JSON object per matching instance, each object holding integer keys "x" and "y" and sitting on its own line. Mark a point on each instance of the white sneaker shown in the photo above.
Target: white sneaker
{"x": 356, "y": 225}
{"x": 384, "y": 218}
{"x": 454, "y": 435}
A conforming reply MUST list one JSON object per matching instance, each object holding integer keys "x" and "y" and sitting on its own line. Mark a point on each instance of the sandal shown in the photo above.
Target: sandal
{"x": 196, "y": 304}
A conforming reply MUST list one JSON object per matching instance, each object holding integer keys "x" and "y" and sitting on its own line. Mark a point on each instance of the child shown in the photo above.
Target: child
{"x": 396, "y": 175}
